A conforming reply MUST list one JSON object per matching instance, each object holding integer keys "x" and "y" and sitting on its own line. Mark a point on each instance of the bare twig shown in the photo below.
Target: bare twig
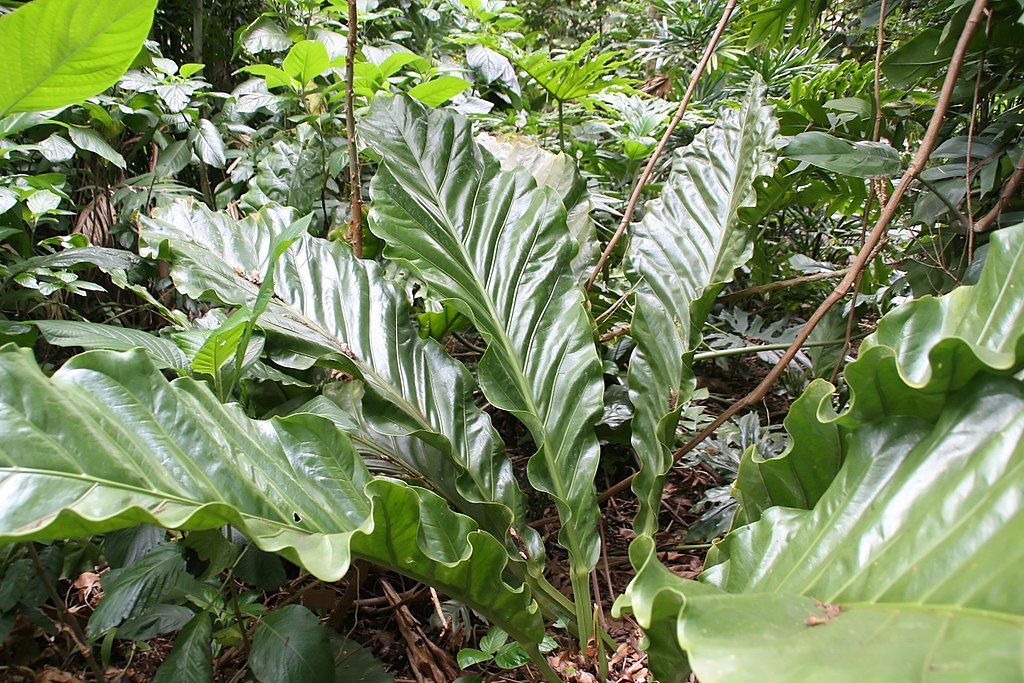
{"x": 62, "y": 612}
{"x": 783, "y": 284}
{"x": 857, "y": 266}
{"x": 355, "y": 225}
{"x": 627, "y": 215}
{"x": 1009, "y": 190}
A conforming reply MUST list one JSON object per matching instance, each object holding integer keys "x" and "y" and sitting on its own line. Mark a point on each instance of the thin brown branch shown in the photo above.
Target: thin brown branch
{"x": 783, "y": 284}
{"x": 627, "y": 215}
{"x": 355, "y": 225}
{"x": 863, "y": 257}
{"x": 1008, "y": 192}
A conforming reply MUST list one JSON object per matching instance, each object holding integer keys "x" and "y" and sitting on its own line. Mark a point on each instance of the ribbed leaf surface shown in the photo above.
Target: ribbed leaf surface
{"x": 907, "y": 565}
{"x": 686, "y": 247}
{"x": 931, "y": 343}
{"x": 496, "y": 247}
{"x": 107, "y": 443}
{"x": 329, "y": 306}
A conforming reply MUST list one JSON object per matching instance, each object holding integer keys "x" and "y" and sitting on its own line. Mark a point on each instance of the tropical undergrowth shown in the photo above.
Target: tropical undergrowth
{"x": 325, "y": 312}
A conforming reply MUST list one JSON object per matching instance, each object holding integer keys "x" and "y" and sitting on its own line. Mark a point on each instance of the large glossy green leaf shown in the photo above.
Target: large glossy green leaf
{"x": 57, "y": 52}
{"x": 686, "y": 247}
{"x": 331, "y": 307}
{"x": 559, "y": 173}
{"x": 95, "y": 336}
{"x": 107, "y": 443}
{"x": 290, "y": 173}
{"x": 496, "y": 247}
{"x": 908, "y": 565}
{"x": 925, "y": 348}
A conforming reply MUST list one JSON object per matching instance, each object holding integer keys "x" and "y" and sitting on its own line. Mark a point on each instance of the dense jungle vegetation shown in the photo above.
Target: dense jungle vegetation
{"x": 484, "y": 340}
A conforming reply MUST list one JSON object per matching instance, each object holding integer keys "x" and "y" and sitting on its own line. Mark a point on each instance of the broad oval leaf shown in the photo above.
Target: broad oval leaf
{"x": 57, "y": 53}
{"x": 682, "y": 252}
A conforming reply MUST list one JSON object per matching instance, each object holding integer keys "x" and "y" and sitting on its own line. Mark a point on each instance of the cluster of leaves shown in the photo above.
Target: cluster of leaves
{"x": 298, "y": 404}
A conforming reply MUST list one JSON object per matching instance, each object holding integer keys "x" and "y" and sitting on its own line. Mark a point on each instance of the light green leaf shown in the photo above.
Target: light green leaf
{"x": 437, "y": 91}
{"x": 91, "y": 141}
{"x": 291, "y": 646}
{"x": 209, "y": 144}
{"x": 56, "y": 148}
{"x": 57, "y": 53}
{"x": 191, "y": 658}
{"x": 858, "y": 159}
{"x": 469, "y": 656}
{"x": 496, "y": 247}
{"x": 95, "y": 336}
{"x": 265, "y": 34}
{"x": 683, "y": 251}
{"x": 107, "y": 442}
{"x": 41, "y": 202}
{"x": 306, "y": 60}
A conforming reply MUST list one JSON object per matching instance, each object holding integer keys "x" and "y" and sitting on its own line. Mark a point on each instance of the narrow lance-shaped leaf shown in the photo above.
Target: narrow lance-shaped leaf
{"x": 686, "y": 247}
{"x": 107, "y": 443}
{"x": 496, "y": 247}
{"x": 328, "y": 306}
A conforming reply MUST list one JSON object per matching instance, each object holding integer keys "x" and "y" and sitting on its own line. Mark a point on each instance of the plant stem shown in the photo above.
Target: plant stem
{"x": 62, "y": 612}
{"x": 561, "y": 129}
{"x": 355, "y": 225}
{"x": 580, "y": 579}
{"x": 860, "y": 262}
{"x": 541, "y": 662}
{"x": 627, "y": 215}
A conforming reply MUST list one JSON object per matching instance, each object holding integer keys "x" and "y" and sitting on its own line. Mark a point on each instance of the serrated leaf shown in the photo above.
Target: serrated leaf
{"x": 108, "y": 442}
{"x": 138, "y": 588}
{"x": 91, "y": 141}
{"x": 57, "y": 53}
{"x": 683, "y": 251}
{"x": 191, "y": 658}
{"x": 496, "y": 247}
{"x": 291, "y": 646}
{"x": 95, "y": 336}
